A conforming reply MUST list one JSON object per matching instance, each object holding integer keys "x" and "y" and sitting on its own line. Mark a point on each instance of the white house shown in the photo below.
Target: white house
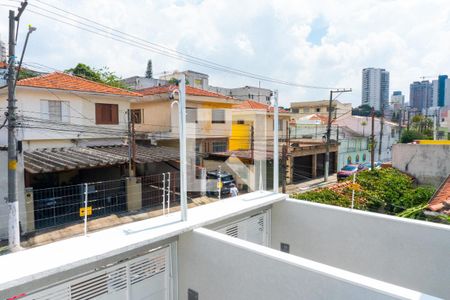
{"x": 362, "y": 125}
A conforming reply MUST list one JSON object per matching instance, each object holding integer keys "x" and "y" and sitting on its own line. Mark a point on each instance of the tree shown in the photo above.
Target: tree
{"x": 175, "y": 81}
{"x": 149, "y": 71}
{"x": 364, "y": 111}
{"x": 364, "y": 124}
{"x": 103, "y": 75}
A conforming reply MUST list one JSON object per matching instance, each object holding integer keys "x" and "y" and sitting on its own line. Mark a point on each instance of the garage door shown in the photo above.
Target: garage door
{"x": 144, "y": 277}
{"x": 254, "y": 229}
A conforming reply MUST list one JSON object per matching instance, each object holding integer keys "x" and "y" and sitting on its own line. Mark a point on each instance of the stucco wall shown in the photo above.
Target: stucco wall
{"x": 81, "y": 112}
{"x": 220, "y": 267}
{"x": 410, "y": 253}
{"x": 430, "y": 164}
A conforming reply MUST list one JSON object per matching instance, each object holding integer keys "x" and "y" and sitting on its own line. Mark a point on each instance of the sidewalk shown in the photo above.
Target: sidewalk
{"x": 310, "y": 185}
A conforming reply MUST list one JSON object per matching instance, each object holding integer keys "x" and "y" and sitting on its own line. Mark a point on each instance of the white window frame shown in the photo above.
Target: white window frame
{"x": 64, "y": 115}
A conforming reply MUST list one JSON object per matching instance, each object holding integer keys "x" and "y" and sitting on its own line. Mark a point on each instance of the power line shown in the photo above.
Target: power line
{"x": 153, "y": 47}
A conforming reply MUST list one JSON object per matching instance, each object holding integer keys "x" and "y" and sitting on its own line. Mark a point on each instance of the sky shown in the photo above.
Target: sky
{"x": 322, "y": 43}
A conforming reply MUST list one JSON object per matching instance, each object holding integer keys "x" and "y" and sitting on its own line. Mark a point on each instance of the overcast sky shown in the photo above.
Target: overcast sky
{"x": 324, "y": 43}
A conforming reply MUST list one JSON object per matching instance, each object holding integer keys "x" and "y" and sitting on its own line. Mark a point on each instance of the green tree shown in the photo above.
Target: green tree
{"x": 149, "y": 70}
{"x": 408, "y": 136}
{"x": 364, "y": 111}
{"x": 103, "y": 75}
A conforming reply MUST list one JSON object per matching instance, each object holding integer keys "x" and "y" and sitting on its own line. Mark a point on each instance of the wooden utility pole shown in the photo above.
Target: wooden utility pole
{"x": 252, "y": 142}
{"x": 372, "y": 137}
{"x": 381, "y": 132}
{"x": 131, "y": 145}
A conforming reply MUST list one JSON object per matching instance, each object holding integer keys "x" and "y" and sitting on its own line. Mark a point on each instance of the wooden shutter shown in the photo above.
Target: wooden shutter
{"x": 114, "y": 113}
{"x": 98, "y": 113}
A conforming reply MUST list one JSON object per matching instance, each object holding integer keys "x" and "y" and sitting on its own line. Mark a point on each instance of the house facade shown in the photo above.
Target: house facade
{"x": 362, "y": 126}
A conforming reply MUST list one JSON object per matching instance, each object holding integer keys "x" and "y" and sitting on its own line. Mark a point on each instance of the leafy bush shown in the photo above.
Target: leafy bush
{"x": 409, "y": 136}
{"x": 385, "y": 190}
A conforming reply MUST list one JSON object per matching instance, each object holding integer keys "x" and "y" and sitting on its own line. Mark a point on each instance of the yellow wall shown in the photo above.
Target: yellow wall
{"x": 431, "y": 142}
{"x": 240, "y": 137}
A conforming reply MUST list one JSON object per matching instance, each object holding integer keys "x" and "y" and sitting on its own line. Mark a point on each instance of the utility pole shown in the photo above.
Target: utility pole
{"x": 252, "y": 141}
{"x": 381, "y": 132}
{"x": 284, "y": 152}
{"x": 276, "y": 156}
{"x": 330, "y": 109}
{"x": 434, "y": 126}
{"x": 409, "y": 118}
{"x": 13, "y": 221}
{"x": 131, "y": 145}
{"x": 372, "y": 142}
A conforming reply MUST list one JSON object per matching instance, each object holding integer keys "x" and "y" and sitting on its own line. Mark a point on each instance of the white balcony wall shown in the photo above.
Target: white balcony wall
{"x": 409, "y": 253}
{"x": 217, "y": 266}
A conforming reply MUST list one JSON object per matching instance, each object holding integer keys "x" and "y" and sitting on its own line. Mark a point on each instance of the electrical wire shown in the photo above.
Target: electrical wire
{"x": 134, "y": 41}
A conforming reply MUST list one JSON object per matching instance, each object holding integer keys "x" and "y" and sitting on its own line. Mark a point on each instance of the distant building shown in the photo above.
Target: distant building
{"x": 194, "y": 79}
{"x": 140, "y": 82}
{"x": 397, "y": 100}
{"x": 442, "y": 80}
{"x": 201, "y": 81}
{"x": 257, "y": 94}
{"x": 321, "y": 108}
{"x": 375, "y": 87}
{"x": 435, "y": 97}
{"x": 421, "y": 95}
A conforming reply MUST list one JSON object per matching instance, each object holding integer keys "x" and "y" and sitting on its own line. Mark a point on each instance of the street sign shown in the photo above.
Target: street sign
{"x": 88, "y": 209}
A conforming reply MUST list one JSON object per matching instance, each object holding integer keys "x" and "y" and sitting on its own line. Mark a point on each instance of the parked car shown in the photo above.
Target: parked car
{"x": 349, "y": 170}
{"x": 368, "y": 165}
{"x": 212, "y": 178}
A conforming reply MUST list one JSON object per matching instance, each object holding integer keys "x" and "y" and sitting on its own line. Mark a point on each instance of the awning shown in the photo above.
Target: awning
{"x": 48, "y": 160}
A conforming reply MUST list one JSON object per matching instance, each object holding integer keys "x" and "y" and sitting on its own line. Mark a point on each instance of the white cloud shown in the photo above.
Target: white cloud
{"x": 269, "y": 37}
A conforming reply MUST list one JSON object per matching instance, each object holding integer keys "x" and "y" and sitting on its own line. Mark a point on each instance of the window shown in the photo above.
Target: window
{"x": 136, "y": 115}
{"x": 349, "y": 160}
{"x": 240, "y": 122}
{"x": 357, "y": 158}
{"x": 55, "y": 110}
{"x": 191, "y": 115}
{"x": 107, "y": 114}
{"x": 198, "y": 82}
{"x": 318, "y": 109}
{"x": 219, "y": 146}
{"x": 218, "y": 116}
{"x": 306, "y": 110}
{"x": 393, "y": 132}
{"x": 364, "y": 157}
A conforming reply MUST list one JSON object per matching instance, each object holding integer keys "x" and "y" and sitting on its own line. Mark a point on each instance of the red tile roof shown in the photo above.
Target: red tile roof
{"x": 441, "y": 199}
{"x": 249, "y": 104}
{"x": 62, "y": 81}
{"x": 189, "y": 91}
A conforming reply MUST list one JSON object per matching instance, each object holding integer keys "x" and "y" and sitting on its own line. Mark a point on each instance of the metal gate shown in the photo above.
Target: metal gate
{"x": 255, "y": 229}
{"x": 160, "y": 188}
{"x": 61, "y": 205}
{"x": 144, "y": 277}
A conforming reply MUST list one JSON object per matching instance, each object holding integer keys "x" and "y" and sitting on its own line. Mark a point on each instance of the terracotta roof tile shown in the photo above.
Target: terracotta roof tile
{"x": 441, "y": 199}
{"x": 63, "y": 81}
{"x": 189, "y": 90}
{"x": 249, "y": 104}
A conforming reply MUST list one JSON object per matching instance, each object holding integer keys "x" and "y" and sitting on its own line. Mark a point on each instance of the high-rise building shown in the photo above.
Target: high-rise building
{"x": 435, "y": 84}
{"x": 375, "y": 87}
{"x": 441, "y": 90}
{"x": 397, "y": 100}
{"x": 421, "y": 94}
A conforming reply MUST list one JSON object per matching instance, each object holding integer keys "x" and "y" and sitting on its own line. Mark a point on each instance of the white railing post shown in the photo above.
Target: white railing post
{"x": 276, "y": 156}
{"x": 164, "y": 193}
{"x": 168, "y": 192}
{"x": 85, "y": 207}
{"x": 183, "y": 158}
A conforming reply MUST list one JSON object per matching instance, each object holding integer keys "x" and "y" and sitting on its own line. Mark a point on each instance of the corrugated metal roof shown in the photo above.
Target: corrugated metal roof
{"x": 143, "y": 154}
{"x": 62, "y": 159}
